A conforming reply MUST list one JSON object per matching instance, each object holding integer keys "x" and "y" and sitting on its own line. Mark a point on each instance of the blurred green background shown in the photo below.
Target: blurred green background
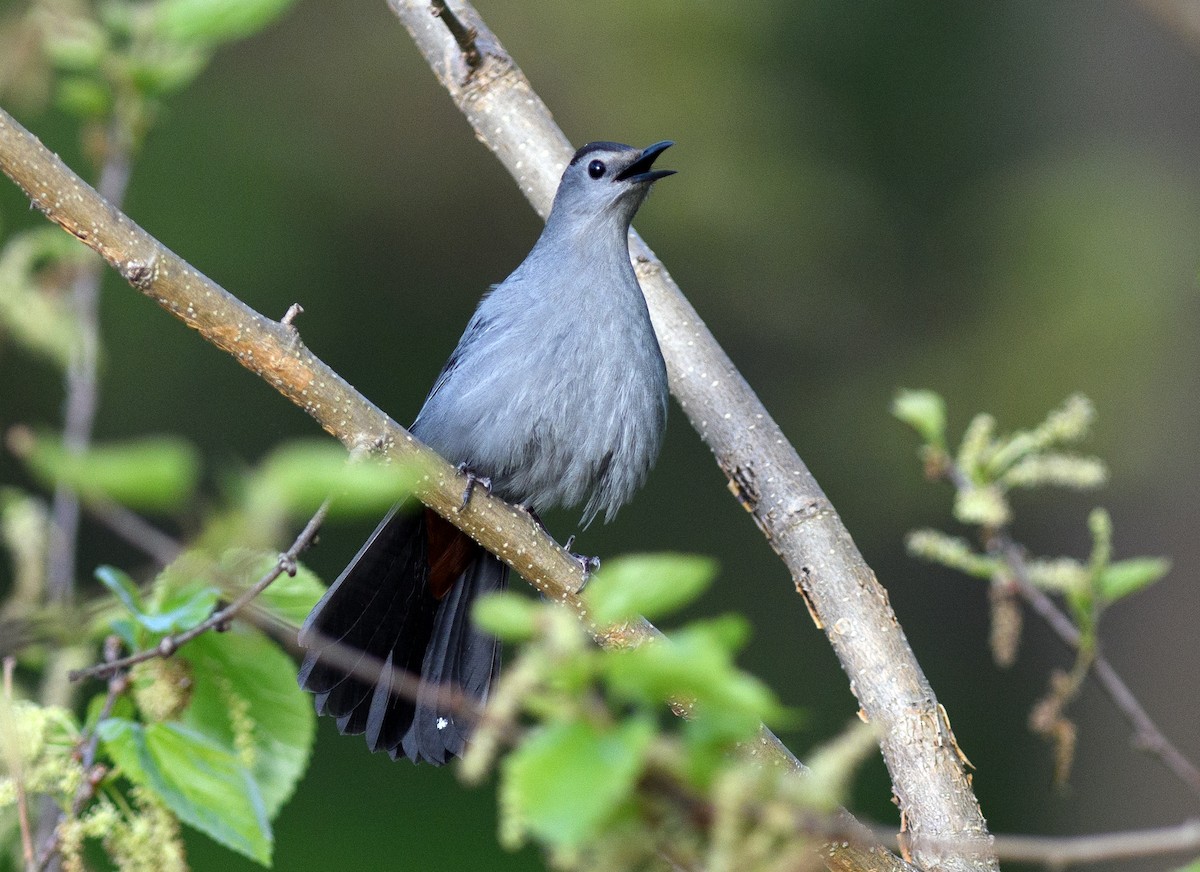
{"x": 999, "y": 201}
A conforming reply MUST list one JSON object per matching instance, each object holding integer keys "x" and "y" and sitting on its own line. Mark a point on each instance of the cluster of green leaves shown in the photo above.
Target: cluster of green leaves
{"x": 983, "y": 470}
{"x": 217, "y": 736}
{"x": 220, "y": 733}
{"x": 986, "y": 467}
{"x": 110, "y": 64}
{"x": 119, "y": 59}
{"x": 602, "y": 776}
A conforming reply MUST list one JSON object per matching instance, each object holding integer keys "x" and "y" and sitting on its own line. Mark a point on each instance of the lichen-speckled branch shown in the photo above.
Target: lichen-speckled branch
{"x": 764, "y": 470}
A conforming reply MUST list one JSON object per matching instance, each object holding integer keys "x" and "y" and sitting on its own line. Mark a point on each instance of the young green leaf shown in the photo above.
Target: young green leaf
{"x": 925, "y": 412}
{"x": 173, "y": 609}
{"x": 649, "y": 585}
{"x": 151, "y": 473}
{"x": 695, "y": 664}
{"x": 122, "y": 587}
{"x": 1125, "y": 577}
{"x": 201, "y": 782}
{"x": 507, "y": 616}
{"x": 37, "y": 321}
{"x": 301, "y": 474}
{"x": 565, "y": 782}
{"x": 215, "y": 21}
{"x": 181, "y": 611}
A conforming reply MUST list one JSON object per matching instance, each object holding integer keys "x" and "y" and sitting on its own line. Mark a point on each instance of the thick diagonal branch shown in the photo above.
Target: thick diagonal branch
{"x": 764, "y": 470}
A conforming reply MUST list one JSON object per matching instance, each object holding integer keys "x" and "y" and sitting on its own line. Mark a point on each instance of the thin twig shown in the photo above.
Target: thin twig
{"x": 463, "y": 35}
{"x": 18, "y": 777}
{"x": 1057, "y": 852}
{"x": 79, "y": 412}
{"x": 168, "y": 645}
{"x": 89, "y": 743}
{"x": 134, "y": 529}
{"x": 1147, "y": 735}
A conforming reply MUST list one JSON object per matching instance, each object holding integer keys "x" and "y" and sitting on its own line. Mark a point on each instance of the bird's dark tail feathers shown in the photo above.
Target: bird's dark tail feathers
{"x": 404, "y": 603}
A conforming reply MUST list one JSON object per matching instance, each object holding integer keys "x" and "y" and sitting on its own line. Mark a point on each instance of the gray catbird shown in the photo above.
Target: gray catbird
{"x": 557, "y": 394}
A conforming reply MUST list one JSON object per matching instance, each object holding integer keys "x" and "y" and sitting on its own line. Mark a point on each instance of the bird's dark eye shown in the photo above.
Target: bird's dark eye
{"x": 596, "y": 169}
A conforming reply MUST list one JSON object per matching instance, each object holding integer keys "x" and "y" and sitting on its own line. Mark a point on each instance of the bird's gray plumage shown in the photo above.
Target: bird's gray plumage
{"x": 557, "y": 390}
{"x": 557, "y": 393}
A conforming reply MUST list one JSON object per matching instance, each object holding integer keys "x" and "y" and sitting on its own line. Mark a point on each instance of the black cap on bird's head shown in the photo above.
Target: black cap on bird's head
{"x": 628, "y": 164}
{"x": 604, "y": 175}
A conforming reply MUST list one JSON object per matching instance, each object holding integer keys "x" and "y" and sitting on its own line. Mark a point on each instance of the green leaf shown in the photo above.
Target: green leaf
{"x": 649, "y": 585}
{"x": 695, "y": 664}
{"x": 201, "y": 782}
{"x": 37, "y": 321}
{"x": 121, "y": 586}
{"x": 182, "y": 610}
{"x": 245, "y": 699}
{"x": 566, "y": 781}
{"x": 1124, "y": 577}
{"x": 166, "y": 71}
{"x": 179, "y": 609}
{"x": 300, "y": 475}
{"x": 925, "y": 412}
{"x": 76, "y": 43}
{"x": 507, "y": 616}
{"x": 215, "y": 21}
{"x": 152, "y": 473}
{"x": 289, "y": 597}
{"x": 83, "y": 97}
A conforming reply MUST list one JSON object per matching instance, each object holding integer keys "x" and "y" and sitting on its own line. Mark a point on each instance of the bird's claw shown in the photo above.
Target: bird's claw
{"x": 587, "y": 564}
{"x": 472, "y": 479}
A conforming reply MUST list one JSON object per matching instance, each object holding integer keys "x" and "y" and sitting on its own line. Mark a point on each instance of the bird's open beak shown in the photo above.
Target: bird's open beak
{"x": 639, "y": 170}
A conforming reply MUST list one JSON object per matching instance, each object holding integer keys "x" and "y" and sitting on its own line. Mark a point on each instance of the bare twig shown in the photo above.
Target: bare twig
{"x": 764, "y": 470}
{"x": 1147, "y": 735}
{"x": 1056, "y": 853}
{"x": 89, "y": 743}
{"x": 464, "y": 36}
{"x": 168, "y": 645}
{"x": 16, "y": 768}
{"x": 134, "y": 529}
{"x": 294, "y": 311}
{"x": 81, "y": 387}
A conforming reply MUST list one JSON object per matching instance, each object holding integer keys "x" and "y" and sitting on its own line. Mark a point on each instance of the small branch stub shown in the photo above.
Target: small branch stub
{"x": 291, "y": 314}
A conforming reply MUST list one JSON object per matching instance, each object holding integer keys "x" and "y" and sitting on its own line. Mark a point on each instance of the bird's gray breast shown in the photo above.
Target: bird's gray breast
{"x": 560, "y": 398}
